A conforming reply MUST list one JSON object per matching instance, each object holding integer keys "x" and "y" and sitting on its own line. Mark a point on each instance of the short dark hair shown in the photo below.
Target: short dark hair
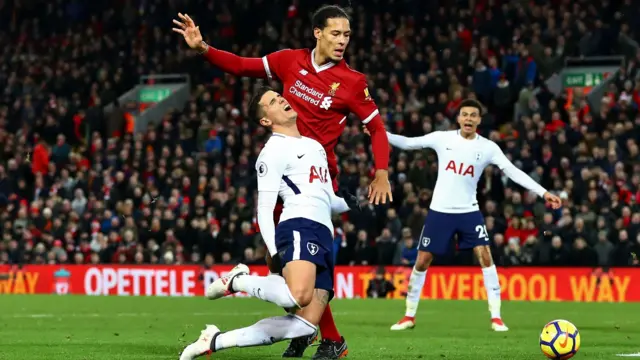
{"x": 471, "y": 103}
{"x": 255, "y": 109}
{"x": 326, "y": 12}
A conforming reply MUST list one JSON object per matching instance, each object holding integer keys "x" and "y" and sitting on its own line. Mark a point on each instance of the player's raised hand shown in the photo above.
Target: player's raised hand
{"x": 191, "y": 33}
{"x": 553, "y": 200}
{"x": 366, "y": 131}
{"x": 380, "y": 188}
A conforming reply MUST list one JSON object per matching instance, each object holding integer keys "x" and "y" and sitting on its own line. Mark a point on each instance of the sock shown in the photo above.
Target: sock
{"x": 492, "y": 285}
{"x": 328, "y": 327}
{"x": 264, "y": 332}
{"x": 270, "y": 288}
{"x": 416, "y": 283}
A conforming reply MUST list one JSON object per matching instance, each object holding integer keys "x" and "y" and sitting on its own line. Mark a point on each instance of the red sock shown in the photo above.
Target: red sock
{"x": 328, "y": 327}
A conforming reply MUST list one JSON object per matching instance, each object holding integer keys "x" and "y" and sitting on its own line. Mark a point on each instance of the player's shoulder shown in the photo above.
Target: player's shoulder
{"x": 350, "y": 74}
{"x": 292, "y": 53}
{"x": 275, "y": 143}
{"x": 487, "y": 143}
{"x": 311, "y": 142}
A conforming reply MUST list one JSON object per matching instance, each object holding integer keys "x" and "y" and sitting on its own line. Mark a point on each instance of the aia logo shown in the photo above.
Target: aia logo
{"x": 318, "y": 173}
{"x": 460, "y": 169}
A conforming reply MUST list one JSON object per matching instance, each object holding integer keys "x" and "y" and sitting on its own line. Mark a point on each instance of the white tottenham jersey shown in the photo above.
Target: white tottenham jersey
{"x": 296, "y": 169}
{"x": 461, "y": 162}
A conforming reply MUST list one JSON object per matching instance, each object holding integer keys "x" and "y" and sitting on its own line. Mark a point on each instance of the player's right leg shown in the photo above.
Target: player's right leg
{"x": 434, "y": 240}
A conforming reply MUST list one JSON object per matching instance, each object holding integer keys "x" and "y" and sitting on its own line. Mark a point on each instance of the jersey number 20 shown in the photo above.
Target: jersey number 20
{"x": 318, "y": 173}
{"x": 482, "y": 232}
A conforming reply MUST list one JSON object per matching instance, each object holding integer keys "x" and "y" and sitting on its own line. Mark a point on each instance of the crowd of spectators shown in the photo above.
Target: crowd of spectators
{"x": 76, "y": 189}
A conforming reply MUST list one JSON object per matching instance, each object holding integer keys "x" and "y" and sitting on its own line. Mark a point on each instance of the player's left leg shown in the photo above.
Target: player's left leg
{"x": 333, "y": 345}
{"x": 332, "y": 341}
{"x": 473, "y": 234}
{"x": 271, "y": 288}
{"x": 492, "y": 286}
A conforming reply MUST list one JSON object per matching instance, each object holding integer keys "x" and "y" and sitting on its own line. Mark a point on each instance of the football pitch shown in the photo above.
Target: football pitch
{"x": 109, "y": 328}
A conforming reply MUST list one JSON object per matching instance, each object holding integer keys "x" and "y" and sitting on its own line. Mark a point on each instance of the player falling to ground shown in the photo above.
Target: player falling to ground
{"x": 462, "y": 157}
{"x": 295, "y": 168}
{"x": 323, "y": 89}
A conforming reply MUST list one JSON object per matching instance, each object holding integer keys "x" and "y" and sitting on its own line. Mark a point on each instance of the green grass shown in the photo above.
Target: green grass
{"x": 101, "y": 328}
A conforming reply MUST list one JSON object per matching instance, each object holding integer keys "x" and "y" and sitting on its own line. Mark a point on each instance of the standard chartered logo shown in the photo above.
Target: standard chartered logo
{"x": 326, "y": 103}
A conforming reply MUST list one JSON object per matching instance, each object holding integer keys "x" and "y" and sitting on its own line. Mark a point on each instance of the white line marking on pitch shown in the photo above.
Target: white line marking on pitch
{"x": 629, "y": 355}
{"x": 141, "y": 314}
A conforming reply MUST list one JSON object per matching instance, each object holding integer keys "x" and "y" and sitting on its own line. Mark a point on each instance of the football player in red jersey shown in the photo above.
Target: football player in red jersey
{"x": 323, "y": 89}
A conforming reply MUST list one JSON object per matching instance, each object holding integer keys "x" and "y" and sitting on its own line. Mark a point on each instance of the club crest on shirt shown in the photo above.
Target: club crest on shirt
{"x": 324, "y": 153}
{"x": 478, "y": 156}
{"x": 312, "y": 248}
{"x": 426, "y": 241}
{"x": 334, "y": 88}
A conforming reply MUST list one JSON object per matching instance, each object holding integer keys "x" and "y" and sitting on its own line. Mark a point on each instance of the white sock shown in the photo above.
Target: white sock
{"x": 266, "y": 332}
{"x": 416, "y": 282}
{"x": 272, "y": 288}
{"x": 492, "y": 285}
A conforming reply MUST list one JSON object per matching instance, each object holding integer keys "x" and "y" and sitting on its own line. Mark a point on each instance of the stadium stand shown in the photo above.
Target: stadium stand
{"x": 79, "y": 184}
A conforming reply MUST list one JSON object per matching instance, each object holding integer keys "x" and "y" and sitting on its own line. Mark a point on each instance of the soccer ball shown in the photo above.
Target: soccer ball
{"x": 560, "y": 339}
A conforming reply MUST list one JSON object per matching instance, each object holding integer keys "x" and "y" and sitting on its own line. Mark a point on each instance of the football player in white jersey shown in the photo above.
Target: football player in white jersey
{"x": 462, "y": 157}
{"x": 295, "y": 168}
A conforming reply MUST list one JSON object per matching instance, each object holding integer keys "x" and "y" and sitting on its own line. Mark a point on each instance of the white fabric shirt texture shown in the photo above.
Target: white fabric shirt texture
{"x": 461, "y": 163}
{"x": 296, "y": 169}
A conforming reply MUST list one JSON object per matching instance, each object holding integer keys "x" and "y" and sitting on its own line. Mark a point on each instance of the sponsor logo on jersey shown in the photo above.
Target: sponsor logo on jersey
{"x": 307, "y": 93}
{"x": 334, "y": 88}
{"x": 303, "y": 72}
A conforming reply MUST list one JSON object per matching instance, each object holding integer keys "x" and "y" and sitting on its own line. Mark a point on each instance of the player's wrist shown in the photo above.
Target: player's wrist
{"x": 382, "y": 173}
{"x": 202, "y": 47}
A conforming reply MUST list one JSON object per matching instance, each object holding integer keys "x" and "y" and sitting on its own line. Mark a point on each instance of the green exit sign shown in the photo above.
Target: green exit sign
{"x": 154, "y": 95}
{"x": 587, "y": 79}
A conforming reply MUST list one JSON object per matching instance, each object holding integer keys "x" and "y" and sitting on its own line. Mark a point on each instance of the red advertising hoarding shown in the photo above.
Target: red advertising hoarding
{"x": 455, "y": 283}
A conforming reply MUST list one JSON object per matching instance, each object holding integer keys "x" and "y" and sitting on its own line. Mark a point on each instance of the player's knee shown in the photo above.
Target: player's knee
{"x": 302, "y": 295}
{"x": 423, "y": 261}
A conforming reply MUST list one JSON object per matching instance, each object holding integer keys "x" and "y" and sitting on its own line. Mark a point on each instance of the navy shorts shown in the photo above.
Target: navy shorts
{"x": 439, "y": 228}
{"x": 304, "y": 239}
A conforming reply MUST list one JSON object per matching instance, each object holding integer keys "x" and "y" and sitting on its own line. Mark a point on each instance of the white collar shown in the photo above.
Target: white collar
{"x": 319, "y": 68}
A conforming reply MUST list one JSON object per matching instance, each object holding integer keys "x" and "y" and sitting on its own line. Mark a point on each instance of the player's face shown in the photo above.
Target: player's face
{"x": 334, "y": 38}
{"x": 277, "y": 110}
{"x": 469, "y": 119}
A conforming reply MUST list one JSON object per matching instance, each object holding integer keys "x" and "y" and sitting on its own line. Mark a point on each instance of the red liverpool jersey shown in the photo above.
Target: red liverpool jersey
{"x": 322, "y": 95}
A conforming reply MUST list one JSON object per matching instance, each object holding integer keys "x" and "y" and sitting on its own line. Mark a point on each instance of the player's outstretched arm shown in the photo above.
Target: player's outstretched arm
{"x": 228, "y": 62}
{"x": 521, "y": 178}
{"x": 413, "y": 143}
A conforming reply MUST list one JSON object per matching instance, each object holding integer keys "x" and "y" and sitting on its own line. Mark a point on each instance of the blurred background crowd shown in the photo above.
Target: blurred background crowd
{"x": 78, "y": 184}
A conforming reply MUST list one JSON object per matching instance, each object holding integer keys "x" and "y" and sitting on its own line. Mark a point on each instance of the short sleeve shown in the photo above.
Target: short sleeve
{"x": 270, "y": 168}
{"x": 362, "y": 103}
{"x": 277, "y": 63}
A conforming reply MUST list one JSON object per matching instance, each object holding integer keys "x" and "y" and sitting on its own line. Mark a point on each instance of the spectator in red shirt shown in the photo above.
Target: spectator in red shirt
{"x": 40, "y": 163}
